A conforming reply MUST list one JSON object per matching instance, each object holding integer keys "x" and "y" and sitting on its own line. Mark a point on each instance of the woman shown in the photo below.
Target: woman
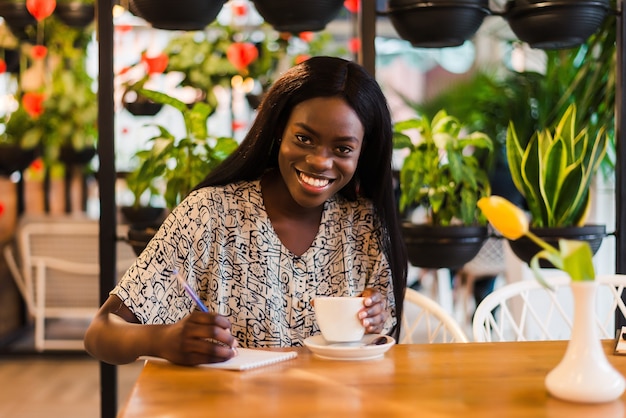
{"x": 303, "y": 208}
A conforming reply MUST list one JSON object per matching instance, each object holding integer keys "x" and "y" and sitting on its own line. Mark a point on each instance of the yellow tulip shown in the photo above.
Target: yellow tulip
{"x": 504, "y": 216}
{"x": 573, "y": 257}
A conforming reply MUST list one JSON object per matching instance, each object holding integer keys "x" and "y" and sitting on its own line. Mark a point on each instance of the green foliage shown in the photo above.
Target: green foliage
{"x": 70, "y": 110}
{"x": 441, "y": 172}
{"x": 586, "y": 75}
{"x": 181, "y": 163}
{"x": 554, "y": 169}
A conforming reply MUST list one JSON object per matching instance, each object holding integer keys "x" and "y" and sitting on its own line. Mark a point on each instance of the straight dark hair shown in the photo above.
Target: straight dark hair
{"x": 373, "y": 179}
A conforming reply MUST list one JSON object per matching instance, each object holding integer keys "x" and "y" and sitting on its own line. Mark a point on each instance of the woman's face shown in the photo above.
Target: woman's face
{"x": 320, "y": 149}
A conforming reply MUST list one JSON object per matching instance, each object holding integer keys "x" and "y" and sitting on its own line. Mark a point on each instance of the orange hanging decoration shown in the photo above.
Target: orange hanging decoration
{"x": 38, "y": 52}
{"x": 353, "y": 6}
{"x": 354, "y": 45}
{"x": 156, "y": 64}
{"x": 40, "y": 9}
{"x": 33, "y": 103}
{"x": 242, "y": 54}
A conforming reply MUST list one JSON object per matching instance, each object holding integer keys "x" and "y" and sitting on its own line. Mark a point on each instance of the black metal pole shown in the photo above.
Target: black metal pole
{"x": 106, "y": 185}
{"x": 620, "y": 170}
{"x": 367, "y": 33}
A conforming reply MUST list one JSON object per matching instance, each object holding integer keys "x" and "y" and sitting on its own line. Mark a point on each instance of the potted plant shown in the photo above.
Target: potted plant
{"x": 554, "y": 169}
{"x": 179, "y": 163}
{"x": 444, "y": 176}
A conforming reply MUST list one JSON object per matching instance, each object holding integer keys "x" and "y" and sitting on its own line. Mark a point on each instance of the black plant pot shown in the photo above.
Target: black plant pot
{"x": 12, "y": 60}
{"x": 139, "y": 237}
{"x": 142, "y": 216}
{"x": 298, "y": 16}
{"x": 442, "y": 246}
{"x": 75, "y": 13}
{"x": 14, "y": 158}
{"x": 17, "y": 17}
{"x": 70, "y": 156}
{"x": 525, "y": 249}
{"x": 179, "y": 15}
{"x": 555, "y": 24}
{"x": 143, "y": 108}
{"x": 437, "y": 23}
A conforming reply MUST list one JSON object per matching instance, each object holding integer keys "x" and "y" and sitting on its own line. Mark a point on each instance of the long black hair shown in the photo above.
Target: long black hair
{"x": 329, "y": 77}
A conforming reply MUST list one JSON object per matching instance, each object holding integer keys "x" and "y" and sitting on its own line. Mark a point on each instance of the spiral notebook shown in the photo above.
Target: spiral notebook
{"x": 251, "y": 358}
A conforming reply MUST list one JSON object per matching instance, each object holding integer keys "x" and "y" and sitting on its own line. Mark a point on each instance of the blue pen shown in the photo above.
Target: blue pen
{"x": 196, "y": 299}
{"x": 190, "y": 292}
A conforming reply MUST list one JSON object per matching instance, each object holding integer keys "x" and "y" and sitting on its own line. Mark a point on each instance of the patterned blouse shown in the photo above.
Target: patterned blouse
{"x": 222, "y": 240}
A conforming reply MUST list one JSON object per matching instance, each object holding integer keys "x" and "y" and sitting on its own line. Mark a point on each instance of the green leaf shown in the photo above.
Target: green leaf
{"x": 577, "y": 259}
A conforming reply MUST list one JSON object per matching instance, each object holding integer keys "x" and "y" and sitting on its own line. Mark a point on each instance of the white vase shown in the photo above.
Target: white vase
{"x": 584, "y": 374}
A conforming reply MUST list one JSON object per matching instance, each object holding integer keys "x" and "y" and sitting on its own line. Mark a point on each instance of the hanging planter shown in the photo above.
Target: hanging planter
{"x": 525, "y": 249}
{"x": 17, "y": 17}
{"x": 182, "y": 15}
{"x": 12, "y": 60}
{"x": 555, "y": 24}
{"x": 76, "y": 14}
{"x": 14, "y": 158}
{"x": 70, "y": 156}
{"x": 437, "y": 23}
{"x": 298, "y": 16}
{"x": 437, "y": 247}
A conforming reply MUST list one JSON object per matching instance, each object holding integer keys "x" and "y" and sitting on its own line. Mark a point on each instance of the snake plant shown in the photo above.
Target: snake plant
{"x": 554, "y": 170}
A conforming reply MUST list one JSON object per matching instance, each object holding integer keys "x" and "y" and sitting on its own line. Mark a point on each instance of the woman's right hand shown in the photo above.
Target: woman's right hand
{"x": 115, "y": 336}
{"x": 199, "y": 338}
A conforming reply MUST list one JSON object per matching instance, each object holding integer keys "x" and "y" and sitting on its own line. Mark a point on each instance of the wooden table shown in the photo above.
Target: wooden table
{"x": 438, "y": 380}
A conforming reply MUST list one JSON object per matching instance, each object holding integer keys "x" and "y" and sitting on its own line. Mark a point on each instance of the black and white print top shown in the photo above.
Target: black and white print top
{"x": 222, "y": 241}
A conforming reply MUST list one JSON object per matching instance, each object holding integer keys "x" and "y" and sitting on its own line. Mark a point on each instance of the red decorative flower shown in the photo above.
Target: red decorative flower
{"x": 237, "y": 125}
{"x": 301, "y": 58}
{"x": 37, "y": 165}
{"x": 354, "y": 45}
{"x": 353, "y": 6}
{"x": 3, "y": 66}
{"x": 124, "y": 70}
{"x": 38, "y": 52}
{"x": 242, "y": 54}
{"x": 33, "y": 103}
{"x": 307, "y": 36}
{"x": 240, "y": 9}
{"x": 156, "y": 64}
{"x": 40, "y": 9}
{"x": 123, "y": 28}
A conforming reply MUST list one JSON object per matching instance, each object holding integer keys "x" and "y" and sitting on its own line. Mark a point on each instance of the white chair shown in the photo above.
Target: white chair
{"x": 56, "y": 269}
{"x": 526, "y": 311}
{"x": 425, "y": 321}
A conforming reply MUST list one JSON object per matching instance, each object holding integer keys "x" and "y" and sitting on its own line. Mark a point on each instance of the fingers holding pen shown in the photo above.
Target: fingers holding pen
{"x": 206, "y": 338}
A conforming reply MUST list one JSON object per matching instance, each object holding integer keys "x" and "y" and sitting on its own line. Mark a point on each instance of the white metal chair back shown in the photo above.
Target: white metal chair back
{"x": 57, "y": 272}
{"x": 526, "y": 311}
{"x": 425, "y": 321}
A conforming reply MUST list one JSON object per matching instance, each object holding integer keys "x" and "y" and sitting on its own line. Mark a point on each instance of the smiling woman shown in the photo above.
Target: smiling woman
{"x": 303, "y": 208}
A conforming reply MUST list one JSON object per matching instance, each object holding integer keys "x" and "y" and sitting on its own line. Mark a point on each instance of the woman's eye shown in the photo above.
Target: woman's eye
{"x": 344, "y": 150}
{"x": 303, "y": 139}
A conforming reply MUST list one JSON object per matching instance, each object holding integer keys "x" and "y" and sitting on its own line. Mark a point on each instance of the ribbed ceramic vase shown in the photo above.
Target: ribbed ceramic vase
{"x": 584, "y": 374}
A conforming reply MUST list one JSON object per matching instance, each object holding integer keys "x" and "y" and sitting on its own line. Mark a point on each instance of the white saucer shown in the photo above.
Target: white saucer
{"x": 349, "y": 351}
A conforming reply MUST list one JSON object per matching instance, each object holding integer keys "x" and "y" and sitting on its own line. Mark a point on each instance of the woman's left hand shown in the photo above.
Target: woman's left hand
{"x": 373, "y": 315}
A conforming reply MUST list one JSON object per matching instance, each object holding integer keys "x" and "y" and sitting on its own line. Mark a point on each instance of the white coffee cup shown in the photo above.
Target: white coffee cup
{"x": 338, "y": 318}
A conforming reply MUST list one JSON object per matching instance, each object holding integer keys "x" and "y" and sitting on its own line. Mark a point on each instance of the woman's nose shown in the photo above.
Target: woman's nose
{"x": 320, "y": 159}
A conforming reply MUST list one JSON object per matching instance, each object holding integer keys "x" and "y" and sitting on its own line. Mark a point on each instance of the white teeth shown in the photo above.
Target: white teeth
{"x": 313, "y": 181}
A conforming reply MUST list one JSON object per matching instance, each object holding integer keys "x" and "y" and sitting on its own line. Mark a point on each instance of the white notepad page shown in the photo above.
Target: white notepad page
{"x": 250, "y": 358}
